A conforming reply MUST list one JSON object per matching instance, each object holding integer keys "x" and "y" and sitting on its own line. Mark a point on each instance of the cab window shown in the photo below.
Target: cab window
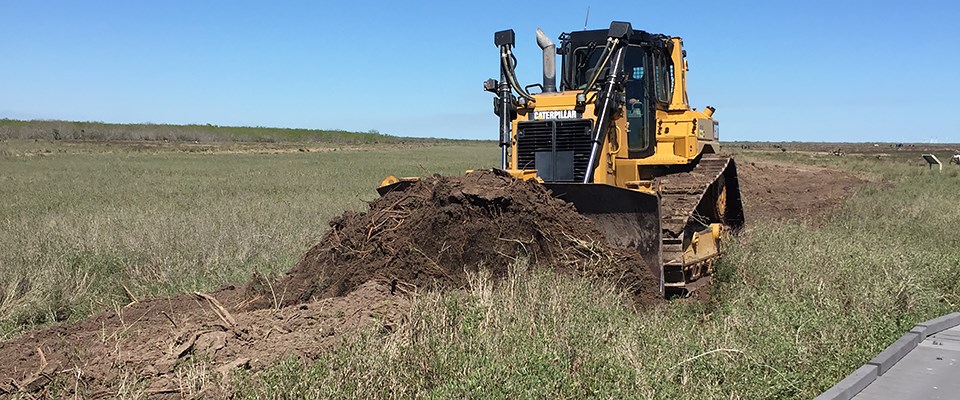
{"x": 635, "y": 68}
{"x": 585, "y": 61}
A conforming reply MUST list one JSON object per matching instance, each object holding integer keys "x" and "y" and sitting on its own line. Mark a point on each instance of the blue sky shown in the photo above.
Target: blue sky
{"x": 801, "y": 70}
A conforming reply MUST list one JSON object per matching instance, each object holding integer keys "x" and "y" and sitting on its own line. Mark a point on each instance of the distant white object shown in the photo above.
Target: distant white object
{"x": 932, "y": 160}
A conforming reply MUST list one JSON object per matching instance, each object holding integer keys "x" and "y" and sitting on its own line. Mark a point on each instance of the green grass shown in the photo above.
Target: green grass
{"x": 75, "y": 227}
{"x": 99, "y": 131}
{"x": 794, "y": 307}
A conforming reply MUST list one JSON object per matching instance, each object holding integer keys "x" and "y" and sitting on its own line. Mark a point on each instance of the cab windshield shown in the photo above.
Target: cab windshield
{"x": 586, "y": 59}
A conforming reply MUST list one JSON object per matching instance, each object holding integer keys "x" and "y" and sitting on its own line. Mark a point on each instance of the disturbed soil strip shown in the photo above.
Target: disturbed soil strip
{"x": 778, "y": 191}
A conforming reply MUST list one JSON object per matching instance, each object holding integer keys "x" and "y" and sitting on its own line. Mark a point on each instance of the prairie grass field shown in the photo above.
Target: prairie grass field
{"x": 796, "y": 305}
{"x": 80, "y": 225}
{"x": 100, "y": 131}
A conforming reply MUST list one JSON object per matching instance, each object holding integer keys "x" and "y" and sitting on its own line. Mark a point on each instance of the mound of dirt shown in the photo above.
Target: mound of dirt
{"x": 429, "y": 236}
{"x": 440, "y": 229}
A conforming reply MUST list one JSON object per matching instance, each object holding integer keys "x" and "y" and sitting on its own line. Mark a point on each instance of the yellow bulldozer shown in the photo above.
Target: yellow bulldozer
{"x": 619, "y": 140}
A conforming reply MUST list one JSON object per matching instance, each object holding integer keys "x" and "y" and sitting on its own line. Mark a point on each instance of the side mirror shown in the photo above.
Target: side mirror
{"x": 621, "y": 30}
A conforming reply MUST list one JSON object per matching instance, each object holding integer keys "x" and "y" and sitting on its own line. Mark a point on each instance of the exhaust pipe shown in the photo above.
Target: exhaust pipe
{"x": 549, "y": 62}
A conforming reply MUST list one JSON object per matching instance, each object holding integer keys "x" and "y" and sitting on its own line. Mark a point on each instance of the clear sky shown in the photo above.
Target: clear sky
{"x": 775, "y": 70}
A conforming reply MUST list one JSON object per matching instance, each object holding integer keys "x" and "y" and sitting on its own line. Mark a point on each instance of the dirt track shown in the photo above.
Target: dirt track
{"x": 359, "y": 275}
{"x": 775, "y": 191}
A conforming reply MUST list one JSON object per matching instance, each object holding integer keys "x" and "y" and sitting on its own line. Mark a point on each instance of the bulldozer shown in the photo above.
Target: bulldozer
{"x": 618, "y": 139}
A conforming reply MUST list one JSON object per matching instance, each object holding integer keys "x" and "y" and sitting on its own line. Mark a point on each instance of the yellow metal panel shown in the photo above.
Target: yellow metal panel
{"x": 556, "y": 101}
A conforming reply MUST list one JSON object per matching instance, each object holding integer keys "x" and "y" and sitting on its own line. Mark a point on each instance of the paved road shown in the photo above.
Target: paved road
{"x": 929, "y": 371}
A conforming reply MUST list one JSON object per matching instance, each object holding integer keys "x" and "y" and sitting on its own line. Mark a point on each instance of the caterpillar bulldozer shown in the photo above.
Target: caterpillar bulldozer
{"x": 618, "y": 139}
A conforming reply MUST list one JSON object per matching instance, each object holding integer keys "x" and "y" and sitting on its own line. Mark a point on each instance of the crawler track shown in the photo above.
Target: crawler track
{"x": 690, "y": 201}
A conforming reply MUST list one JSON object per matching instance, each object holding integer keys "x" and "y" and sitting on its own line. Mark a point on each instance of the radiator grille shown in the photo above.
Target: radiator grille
{"x": 555, "y": 135}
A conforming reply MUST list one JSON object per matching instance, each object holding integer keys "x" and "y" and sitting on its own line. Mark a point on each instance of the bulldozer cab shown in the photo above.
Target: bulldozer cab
{"x": 647, "y": 71}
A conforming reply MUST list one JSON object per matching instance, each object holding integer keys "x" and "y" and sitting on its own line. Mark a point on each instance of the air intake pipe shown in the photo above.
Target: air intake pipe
{"x": 549, "y": 62}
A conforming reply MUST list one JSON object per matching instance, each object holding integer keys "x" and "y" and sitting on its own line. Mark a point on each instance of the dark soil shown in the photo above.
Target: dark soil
{"x": 439, "y": 230}
{"x": 147, "y": 346}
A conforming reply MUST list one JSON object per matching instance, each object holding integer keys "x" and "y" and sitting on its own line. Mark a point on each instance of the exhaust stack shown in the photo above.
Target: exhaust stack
{"x": 549, "y": 62}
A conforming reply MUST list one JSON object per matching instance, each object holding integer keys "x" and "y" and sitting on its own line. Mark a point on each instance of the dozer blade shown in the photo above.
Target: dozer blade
{"x": 392, "y": 183}
{"x": 629, "y": 218}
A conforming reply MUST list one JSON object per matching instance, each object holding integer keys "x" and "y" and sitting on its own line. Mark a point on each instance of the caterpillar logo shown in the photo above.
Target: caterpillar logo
{"x": 555, "y": 114}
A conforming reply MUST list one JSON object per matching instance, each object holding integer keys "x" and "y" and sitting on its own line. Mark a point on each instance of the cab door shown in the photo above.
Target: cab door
{"x": 640, "y": 107}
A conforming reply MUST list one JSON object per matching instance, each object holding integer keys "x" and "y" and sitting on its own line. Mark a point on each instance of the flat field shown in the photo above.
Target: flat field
{"x": 809, "y": 291}
{"x": 81, "y": 221}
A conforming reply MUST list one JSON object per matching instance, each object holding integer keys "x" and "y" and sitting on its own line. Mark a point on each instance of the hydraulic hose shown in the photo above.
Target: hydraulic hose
{"x": 505, "y": 59}
{"x": 505, "y": 98}
{"x": 606, "y": 106}
{"x": 611, "y": 43}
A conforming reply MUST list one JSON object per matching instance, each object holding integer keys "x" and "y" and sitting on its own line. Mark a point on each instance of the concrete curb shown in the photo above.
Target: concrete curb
{"x": 894, "y": 352}
{"x": 936, "y": 325}
{"x": 865, "y": 375}
{"x": 852, "y": 384}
